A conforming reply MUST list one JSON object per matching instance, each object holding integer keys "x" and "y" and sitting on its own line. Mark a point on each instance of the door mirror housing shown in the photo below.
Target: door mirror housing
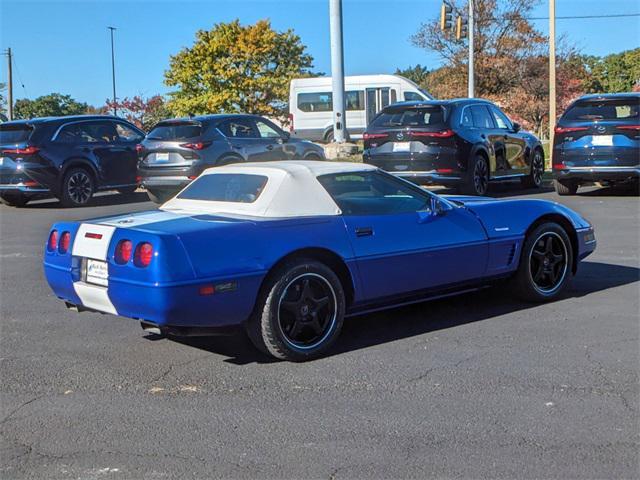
{"x": 437, "y": 208}
{"x": 285, "y": 137}
{"x": 516, "y": 127}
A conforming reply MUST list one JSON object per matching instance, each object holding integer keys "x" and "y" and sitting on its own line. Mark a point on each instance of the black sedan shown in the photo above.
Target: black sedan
{"x": 466, "y": 143}
{"x": 68, "y": 157}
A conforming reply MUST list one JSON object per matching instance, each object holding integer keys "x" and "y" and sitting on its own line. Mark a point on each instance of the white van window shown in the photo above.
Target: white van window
{"x": 323, "y": 101}
{"x": 412, "y": 96}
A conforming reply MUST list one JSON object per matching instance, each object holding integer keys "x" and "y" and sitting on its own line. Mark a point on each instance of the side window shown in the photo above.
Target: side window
{"x": 394, "y": 96}
{"x": 266, "y": 130}
{"x": 466, "y": 120}
{"x": 315, "y": 102}
{"x": 127, "y": 134}
{"x": 481, "y": 117}
{"x": 412, "y": 96}
{"x": 89, "y": 132}
{"x": 373, "y": 193}
{"x": 354, "y": 100}
{"x": 502, "y": 121}
{"x": 238, "y": 128}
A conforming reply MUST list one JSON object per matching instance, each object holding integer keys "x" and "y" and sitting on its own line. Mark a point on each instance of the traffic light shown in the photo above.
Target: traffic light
{"x": 461, "y": 28}
{"x": 446, "y": 17}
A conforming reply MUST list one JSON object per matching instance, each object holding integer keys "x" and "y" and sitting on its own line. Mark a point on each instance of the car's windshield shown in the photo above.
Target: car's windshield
{"x": 14, "y": 133}
{"x": 225, "y": 187}
{"x": 605, "y": 109}
{"x": 175, "y": 131}
{"x": 410, "y": 117}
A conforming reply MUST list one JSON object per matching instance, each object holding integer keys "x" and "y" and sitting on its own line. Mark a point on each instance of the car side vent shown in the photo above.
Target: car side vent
{"x": 512, "y": 253}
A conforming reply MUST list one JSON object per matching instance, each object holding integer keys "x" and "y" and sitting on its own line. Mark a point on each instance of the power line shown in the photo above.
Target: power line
{"x": 572, "y": 17}
{"x": 15, "y": 64}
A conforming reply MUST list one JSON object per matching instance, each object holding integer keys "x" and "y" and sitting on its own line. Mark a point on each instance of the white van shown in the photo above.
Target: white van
{"x": 311, "y": 107}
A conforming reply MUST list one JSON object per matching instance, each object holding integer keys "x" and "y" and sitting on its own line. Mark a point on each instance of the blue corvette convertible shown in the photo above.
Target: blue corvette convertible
{"x": 288, "y": 249}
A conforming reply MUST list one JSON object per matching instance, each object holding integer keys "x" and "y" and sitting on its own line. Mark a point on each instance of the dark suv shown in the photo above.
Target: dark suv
{"x": 67, "y": 157}
{"x": 465, "y": 143}
{"x": 597, "y": 139}
{"x": 177, "y": 151}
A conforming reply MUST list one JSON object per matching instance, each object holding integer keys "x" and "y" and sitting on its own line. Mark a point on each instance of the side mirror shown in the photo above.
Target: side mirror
{"x": 438, "y": 207}
{"x": 285, "y": 137}
{"x": 516, "y": 127}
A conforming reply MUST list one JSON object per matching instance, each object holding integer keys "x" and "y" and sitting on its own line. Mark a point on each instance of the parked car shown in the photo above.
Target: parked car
{"x": 288, "y": 249}
{"x": 464, "y": 143}
{"x": 597, "y": 139}
{"x": 176, "y": 151}
{"x": 311, "y": 103}
{"x": 68, "y": 157}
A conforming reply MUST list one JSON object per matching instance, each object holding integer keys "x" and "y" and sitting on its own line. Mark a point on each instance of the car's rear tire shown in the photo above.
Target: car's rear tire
{"x": 313, "y": 156}
{"x": 534, "y": 179}
{"x": 17, "y": 199}
{"x": 160, "y": 196}
{"x": 299, "y": 312}
{"x": 477, "y": 179}
{"x": 565, "y": 187}
{"x": 78, "y": 187}
{"x": 546, "y": 264}
{"x": 328, "y": 138}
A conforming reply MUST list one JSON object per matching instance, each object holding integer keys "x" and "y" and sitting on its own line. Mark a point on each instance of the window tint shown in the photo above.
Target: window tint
{"x": 412, "y": 96}
{"x": 467, "y": 119}
{"x": 88, "y": 132}
{"x": 266, "y": 130}
{"x": 373, "y": 193}
{"x": 175, "y": 131}
{"x": 238, "y": 128}
{"x": 481, "y": 117}
{"x": 323, "y": 102}
{"x": 614, "y": 109}
{"x": 127, "y": 134}
{"x": 225, "y": 187}
{"x": 410, "y": 117}
{"x": 502, "y": 121}
{"x": 394, "y": 96}
{"x": 14, "y": 133}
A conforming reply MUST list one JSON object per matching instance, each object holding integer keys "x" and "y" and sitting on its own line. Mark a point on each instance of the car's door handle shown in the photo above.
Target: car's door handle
{"x": 269, "y": 147}
{"x": 364, "y": 231}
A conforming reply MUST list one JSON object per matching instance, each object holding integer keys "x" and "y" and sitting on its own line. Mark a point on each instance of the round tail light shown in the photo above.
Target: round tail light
{"x": 65, "y": 242}
{"x": 52, "y": 244}
{"x": 123, "y": 251}
{"x": 144, "y": 253}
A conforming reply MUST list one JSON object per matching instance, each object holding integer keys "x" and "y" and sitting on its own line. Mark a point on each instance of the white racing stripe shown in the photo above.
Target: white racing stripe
{"x": 92, "y": 241}
{"x": 136, "y": 220}
{"x": 94, "y": 296}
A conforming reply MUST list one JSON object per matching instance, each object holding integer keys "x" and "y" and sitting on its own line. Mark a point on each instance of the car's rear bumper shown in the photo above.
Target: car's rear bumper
{"x": 428, "y": 177}
{"x": 22, "y": 188}
{"x": 173, "y": 182}
{"x": 597, "y": 174}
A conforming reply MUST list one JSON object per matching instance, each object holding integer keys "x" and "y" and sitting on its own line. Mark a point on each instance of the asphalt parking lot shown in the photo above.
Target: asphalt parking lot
{"x": 478, "y": 386}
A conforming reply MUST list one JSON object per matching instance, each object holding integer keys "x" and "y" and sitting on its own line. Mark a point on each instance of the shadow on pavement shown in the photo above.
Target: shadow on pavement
{"x": 101, "y": 200}
{"x": 387, "y": 326}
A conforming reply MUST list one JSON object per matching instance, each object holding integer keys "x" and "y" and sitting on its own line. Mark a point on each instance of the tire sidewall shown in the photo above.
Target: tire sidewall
{"x": 471, "y": 185}
{"x": 65, "y": 199}
{"x": 270, "y": 330}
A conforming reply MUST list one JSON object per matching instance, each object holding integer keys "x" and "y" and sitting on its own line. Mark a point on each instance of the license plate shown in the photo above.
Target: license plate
{"x": 401, "y": 146}
{"x": 97, "y": 272}
{"x": 602, "y": 140}
{"x": 162, "y": 157}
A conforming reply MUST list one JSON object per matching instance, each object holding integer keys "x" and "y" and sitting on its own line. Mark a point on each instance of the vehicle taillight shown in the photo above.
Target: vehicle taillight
{"x": 65, "y": 242}
{"x": 441, "y": 134}
{"x": 123, "y": 251}
{"x": 139, "y": 148}
{"x": 53, "y": 240}
{"x": 559, "y": 166}
{"x": 569, "y": 129}
{"x": 291, "y": 123}
{"x": 628, "y": 127}
{"x": 444, "y": 170}
{"x": 373, "y": 136}
{"x": 144, "y": 253}
{"x": 22, "y": 151}
{"x": 196, "y": 145}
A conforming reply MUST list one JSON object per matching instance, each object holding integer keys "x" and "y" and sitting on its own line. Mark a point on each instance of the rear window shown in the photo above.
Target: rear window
{"x": 14, "y": 133}
{"x": 175, "y": 131}
{"x": 605, "y": 109}
{"x": 225, "y": 187}
{"x": 410, "y": 117}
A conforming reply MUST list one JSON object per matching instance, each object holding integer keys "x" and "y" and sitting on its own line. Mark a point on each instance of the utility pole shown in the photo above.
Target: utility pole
{"x": 113, "y": 71}
{"x": 552, "y": 73}
{"x": 10, "y": 84}
{"x": 337, "y": 70}
{"x": 471, "y": 81}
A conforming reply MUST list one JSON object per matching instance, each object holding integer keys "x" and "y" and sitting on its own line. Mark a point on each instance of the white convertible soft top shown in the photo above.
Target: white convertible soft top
{"x": 292, "y": 190}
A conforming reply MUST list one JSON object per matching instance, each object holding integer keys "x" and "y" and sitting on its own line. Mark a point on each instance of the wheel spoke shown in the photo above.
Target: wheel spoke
{"x": 320, "y": 302}
{"x": 294, "y": 330}
{"x": 539, "y": 274}
{"x": 291, "y": 307}
{"x": 549, "y": 245}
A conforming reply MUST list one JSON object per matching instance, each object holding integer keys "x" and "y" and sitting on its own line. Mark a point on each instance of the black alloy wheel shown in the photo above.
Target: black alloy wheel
{"x": 77, "y": 188}
{"x": 534, "y": 179}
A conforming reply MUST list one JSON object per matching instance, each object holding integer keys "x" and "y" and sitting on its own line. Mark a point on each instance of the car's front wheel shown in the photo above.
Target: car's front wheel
{"x": 546, "y": 264}
{"x": 300, "y": 311}
{"x": 77, "y": 188}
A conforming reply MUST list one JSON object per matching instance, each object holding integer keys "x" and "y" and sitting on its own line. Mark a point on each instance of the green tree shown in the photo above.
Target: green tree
{"x": 54, "y": 104}
{"x": 417, "y": 74}
{"x": 618, "y": 72}
{"x": 236, "y": 68}
{"x": 3, "y": 100}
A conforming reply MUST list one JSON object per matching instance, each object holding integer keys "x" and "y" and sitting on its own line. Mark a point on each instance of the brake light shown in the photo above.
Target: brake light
{"x": 291, "y": 123}
{"x": 628, "y": 127}
{"x": 52, "y": 244}
{"x": 30, "y": 183}
{"x": 138, "y": 179}
{"x": 569, "y": 129}
{"x": 139, "y": 148}
{"x": 559, "y": 166}
{"x": 444, "y": 170}
{"x": 196, "y": 145}
{"x": 65, "y": 242}
{"x": 207, "y": 290}
{"x": 144, "y": 254}
{"x": 373, "y": 136}
{"x": 22, "y": 151}
{"x": 192, "y": 177}
{"x": 123, "y": 251}
{"x": 441, "y": 134}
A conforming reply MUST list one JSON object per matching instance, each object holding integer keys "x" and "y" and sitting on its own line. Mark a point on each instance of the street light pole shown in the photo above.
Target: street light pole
{"x": 113, "y": 71}
{"x": 552, "y": 73}
{"x": 9, "y": 84}
{"x": 337, "y": 70}
{"x": 470, "y": 22}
